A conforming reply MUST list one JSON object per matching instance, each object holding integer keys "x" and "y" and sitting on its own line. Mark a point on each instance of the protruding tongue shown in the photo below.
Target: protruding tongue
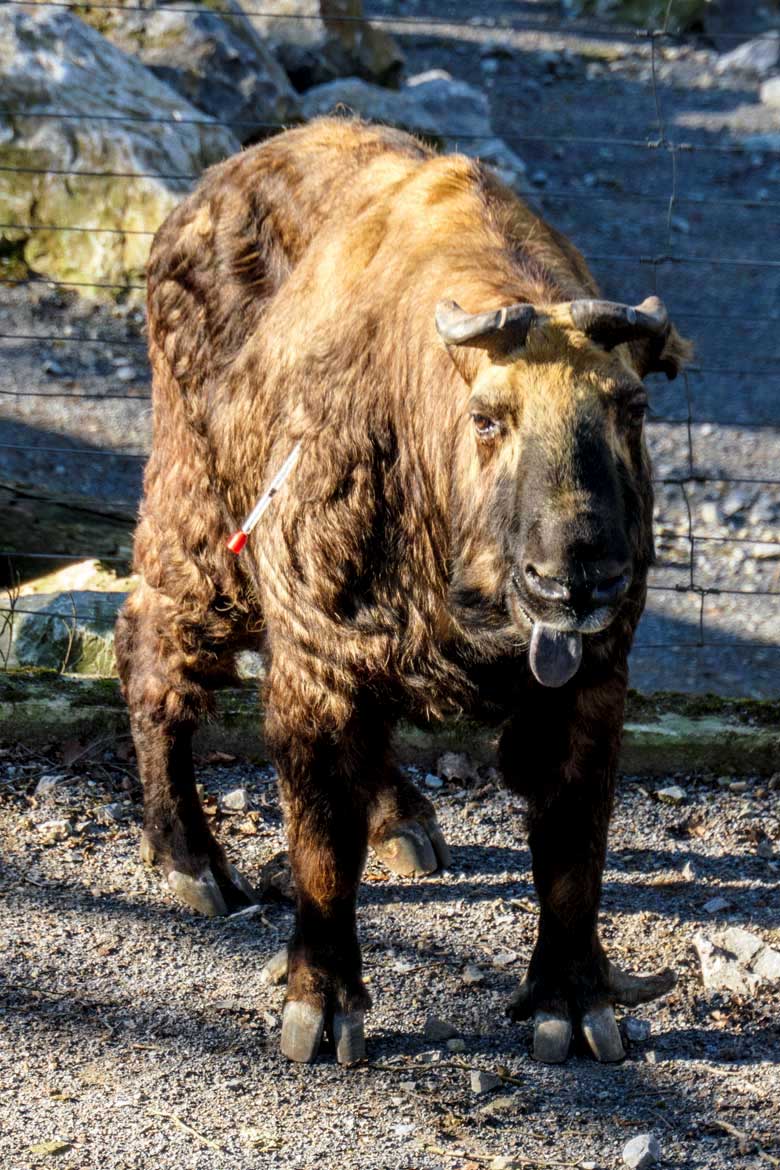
{"x": 554, "y": 655}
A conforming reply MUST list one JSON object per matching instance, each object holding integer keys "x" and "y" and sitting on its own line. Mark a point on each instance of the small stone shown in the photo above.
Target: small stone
{"x": 715, "y": 905}
{"x": 110, "y": 814}
{"x": 710, "y": 514}
{"x": 483, "y": 1082}
{"x": 770, "y": 92}
{"x": 495, "y": 1108}
{"x": 587, "y": 1166}
{"x": 505, "y": 959}
{"x": 738, "y": 786}
{"x": 436, "y": 1029}
{"x": 501, "y": 1162}
{"x": 47, "y": 785}
{"x": 405, "y": 1129}
{"x": 432, "y": 781}
{"x": 126, "y": 373}
{"x": 673, "y": 794}
{"x": 56, "y": 830}
{"x": 472, "y": 975}
{"x": 53, "y": 369}
{"x": 688, "y": 872}
{"x": 235, "y": 801}
{"x": 636, "y": 1031}
{"x": 642, "y": 1152}
{"x": 456, "y": 1045}
{"x": 457, "y": 766}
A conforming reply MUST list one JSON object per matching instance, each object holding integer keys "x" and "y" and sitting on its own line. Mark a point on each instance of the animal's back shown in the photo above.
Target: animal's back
{"x": 226, "y": 250}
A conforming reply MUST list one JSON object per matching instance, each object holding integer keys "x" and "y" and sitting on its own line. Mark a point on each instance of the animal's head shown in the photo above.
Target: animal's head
{"x": 554, "y": 486}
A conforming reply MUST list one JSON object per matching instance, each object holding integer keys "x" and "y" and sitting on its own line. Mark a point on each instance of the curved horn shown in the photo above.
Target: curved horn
{"x": 609, "y": 323}
{"x": 457, "y": 327}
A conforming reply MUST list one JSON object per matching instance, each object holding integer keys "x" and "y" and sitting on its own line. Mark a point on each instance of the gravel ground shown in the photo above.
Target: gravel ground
{"x": 135, "y": 1034}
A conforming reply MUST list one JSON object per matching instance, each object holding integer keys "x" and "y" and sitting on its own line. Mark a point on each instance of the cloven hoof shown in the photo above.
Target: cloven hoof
{"x": 412, "y": 849}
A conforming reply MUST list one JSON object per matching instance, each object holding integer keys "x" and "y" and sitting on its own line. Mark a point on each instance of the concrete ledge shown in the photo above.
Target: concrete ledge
{"x": 664, "y": 733}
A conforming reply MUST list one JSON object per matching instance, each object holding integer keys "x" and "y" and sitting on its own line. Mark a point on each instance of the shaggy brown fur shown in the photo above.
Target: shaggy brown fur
{"x": 292, "y": 297}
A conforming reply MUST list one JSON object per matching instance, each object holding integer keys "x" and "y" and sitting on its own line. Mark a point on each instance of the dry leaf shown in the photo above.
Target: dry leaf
{"x": 54, "y": 1146}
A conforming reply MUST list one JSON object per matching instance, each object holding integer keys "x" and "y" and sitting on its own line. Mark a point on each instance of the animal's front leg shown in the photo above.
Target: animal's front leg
{"x": 323, "y": 784}
{"x": 569, "y": 782}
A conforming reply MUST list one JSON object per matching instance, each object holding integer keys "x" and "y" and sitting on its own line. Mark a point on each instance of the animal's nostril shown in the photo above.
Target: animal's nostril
{"x": 610, "y": 588}
{"x": 549, "y": 588}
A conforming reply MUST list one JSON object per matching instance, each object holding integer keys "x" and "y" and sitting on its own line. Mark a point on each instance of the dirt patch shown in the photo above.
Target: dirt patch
{"x": 135, "y": 1034}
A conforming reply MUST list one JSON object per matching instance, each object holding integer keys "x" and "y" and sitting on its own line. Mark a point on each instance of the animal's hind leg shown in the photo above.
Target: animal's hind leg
{"x": 168, "y": 692}
{"x": 403, "y": 831}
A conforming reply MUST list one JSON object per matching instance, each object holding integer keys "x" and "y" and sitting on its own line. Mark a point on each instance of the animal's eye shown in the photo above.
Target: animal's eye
{"x": 486, "y": 428}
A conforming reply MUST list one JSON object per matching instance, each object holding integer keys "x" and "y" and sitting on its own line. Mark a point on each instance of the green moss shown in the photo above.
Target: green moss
{"x": 758, "y": 712}
{"x": 682, "y": 15}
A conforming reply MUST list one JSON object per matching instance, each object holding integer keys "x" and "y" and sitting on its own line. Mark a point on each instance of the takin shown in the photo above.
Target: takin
{"x": 467, "y": 527}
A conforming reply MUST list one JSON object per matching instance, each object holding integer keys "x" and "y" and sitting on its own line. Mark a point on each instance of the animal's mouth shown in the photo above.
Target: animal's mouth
{"x": 555, "y": 648}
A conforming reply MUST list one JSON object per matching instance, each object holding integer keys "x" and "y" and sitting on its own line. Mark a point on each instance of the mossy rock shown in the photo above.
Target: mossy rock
{"x": 154, "y": 163}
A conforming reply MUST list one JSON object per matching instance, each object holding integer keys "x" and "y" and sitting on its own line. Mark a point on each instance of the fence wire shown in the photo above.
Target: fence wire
{"x": 659, "y": 142}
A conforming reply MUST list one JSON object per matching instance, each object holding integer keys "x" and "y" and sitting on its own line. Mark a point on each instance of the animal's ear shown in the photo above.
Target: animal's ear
{"x": 667, "y": 354}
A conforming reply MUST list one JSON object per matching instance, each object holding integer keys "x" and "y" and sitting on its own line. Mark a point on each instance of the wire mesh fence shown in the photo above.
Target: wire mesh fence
{"x": 714, "y": 589}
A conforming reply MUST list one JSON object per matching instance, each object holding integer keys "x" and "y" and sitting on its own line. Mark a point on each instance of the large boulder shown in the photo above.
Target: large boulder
{"x": 63, "y": 631}
{"x": 52, "y": 61}
{"x": 451, "y": 113}
{"x": 218, "y": 62}
{"x": 320, "y": 40}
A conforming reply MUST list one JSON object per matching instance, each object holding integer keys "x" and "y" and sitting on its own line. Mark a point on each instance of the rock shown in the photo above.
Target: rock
{"x": 767, "y": 965}
{"x": 453, "y": 114}
{"x": 236, "y": 801}
{"x": 742, "y": 944}
{"x": 457, "y": 766}
{"x": 501, "y": 1161}
{"x": 770, "y": 92}
{"x": 436, "y": 1029}
{"x": 688, "y": 871}
{"x": 757, "y": 57}
{"x": 636, "y": 1031}
{"x": 505, "y": 959}
{"x": 314, "y": 46}
{"x": 472, "y": 975}
{"x": 432, "y": 781}
{"x": 673, "y": 794}
{"x": 642, "y": 1152}
{"x": 55, "y": 830}
{"x": 715, "y": 905}
{"x": 218, "y": 63}
{"x": 50, "y": 59}
{"x": 110, "y": 814}
{"x": 720, "y": 970}
{"x": 48, "y": 786}
{"x": 483, "y": 1082}
{"x": 456, "y": 1045}
{"x": 64, "y": 631}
